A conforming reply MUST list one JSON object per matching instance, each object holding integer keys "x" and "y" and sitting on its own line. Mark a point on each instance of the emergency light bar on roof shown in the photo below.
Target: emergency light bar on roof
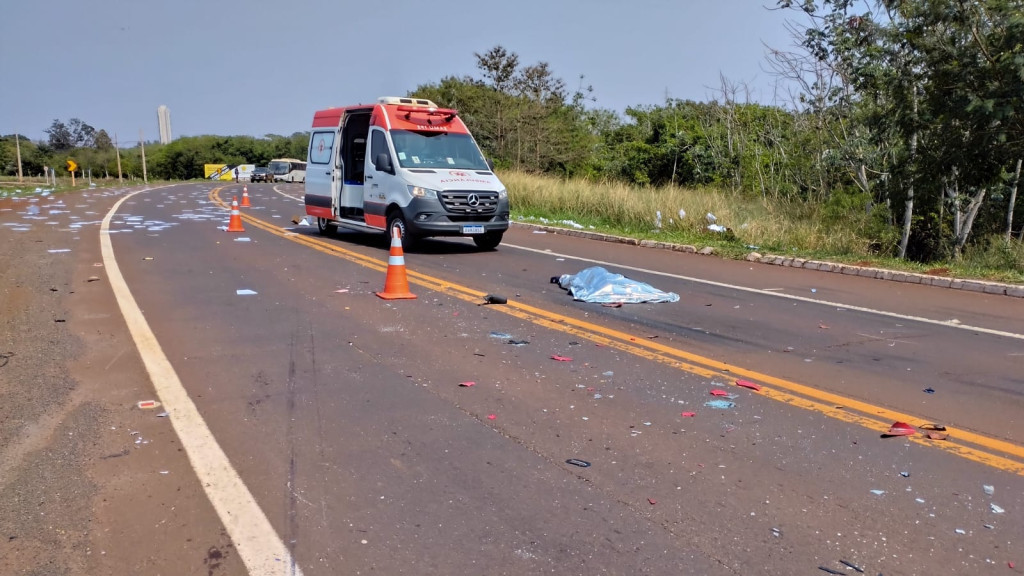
{"x": 408, "y": 101}
{"x": 448, "y": 113}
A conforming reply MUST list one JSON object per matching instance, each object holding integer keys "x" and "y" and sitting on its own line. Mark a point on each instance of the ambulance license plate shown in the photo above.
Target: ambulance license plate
{"x": 472, "y": 229}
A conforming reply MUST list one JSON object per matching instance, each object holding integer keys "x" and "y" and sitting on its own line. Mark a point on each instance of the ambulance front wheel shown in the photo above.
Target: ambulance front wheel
{"x": 488, "y": 241}
{"x": 325, "y": 228}
{"x": 395, "y": 220}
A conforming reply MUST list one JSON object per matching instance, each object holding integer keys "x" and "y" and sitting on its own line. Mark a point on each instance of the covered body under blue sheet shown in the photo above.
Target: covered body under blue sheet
{"x": 595, "y": 284}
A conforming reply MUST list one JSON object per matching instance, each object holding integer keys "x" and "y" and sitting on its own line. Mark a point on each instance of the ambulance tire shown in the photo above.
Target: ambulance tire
{"x": 325, "y": 228}
{"x": 395, "y": 219}
{"x": 487, "y": 241}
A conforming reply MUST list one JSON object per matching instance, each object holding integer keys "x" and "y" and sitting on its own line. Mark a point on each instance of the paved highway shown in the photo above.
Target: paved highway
{"x": 332, "y": 436}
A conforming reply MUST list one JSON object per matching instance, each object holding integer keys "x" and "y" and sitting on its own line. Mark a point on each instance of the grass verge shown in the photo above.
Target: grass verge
{"x": 844, "y": 230}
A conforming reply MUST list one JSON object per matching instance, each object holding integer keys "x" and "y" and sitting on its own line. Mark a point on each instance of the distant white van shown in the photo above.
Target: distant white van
{"x": 402, "y": 163}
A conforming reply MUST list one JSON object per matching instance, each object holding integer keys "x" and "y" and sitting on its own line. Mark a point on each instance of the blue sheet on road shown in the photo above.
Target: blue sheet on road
{"x": 595, "y": 284}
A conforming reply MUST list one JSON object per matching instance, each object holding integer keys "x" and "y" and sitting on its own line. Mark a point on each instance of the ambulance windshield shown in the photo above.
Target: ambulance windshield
{"x": 437, "y": 150}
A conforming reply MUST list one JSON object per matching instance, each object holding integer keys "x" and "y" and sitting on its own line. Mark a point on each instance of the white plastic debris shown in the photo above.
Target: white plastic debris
{"x": 711, "y": 218}
{"x": 990, "y": 490}
{"x": 996, "y": 509}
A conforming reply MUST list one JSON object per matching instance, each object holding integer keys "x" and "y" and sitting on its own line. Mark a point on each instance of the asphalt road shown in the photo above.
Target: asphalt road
{"x": 343, "y": 415}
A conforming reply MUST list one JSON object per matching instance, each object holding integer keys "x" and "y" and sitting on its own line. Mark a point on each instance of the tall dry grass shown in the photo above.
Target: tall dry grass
{"x": 619, "y": 208}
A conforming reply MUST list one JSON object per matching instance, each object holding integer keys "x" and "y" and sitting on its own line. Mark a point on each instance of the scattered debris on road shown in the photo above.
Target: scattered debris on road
{"x": 148, "y": 404}
{"x": 577, "y": 462}
{"x": 751, "y": 385}
{"x": 850, "y": 565}
{"x": 900, "y": 429}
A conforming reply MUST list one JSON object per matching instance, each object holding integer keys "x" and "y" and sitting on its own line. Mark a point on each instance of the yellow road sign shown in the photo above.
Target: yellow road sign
{"x": 72, "y": 166}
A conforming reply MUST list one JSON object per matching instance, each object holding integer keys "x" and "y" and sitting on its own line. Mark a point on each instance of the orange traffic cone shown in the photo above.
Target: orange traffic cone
{"x": 396, "y": 285}
{"x": 235, "y": 224}
{"x": 245, "y": 197}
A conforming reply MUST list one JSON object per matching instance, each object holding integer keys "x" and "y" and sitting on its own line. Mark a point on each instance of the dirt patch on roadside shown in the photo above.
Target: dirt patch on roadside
{"x": 90, "y": 483}
{"x": 45, "y": 435}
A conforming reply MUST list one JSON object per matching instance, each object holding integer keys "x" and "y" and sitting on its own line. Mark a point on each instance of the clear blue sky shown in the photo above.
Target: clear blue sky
{"x": 256, "y": 67}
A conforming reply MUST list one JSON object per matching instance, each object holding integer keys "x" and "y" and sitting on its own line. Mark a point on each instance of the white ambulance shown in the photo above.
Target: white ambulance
{"x": 405, "y": 163}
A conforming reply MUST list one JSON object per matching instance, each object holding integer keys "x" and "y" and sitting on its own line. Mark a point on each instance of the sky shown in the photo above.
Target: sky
{"x": 256, "y": 67}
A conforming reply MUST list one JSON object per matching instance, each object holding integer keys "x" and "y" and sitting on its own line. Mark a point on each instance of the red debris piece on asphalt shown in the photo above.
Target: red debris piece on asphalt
{"x": 561, "y": 358}
{"x": 652, "y": 501}
{"x": 901, "y": 429}
{"x": 467, "y": 384}
{"x": 746, "y": 384}
{"x": 492, "y": 416}
{"x": 147, "y": 404}
{"x": 688, "y": 414}
{"x": 717, "y": 392}
{"x": 937, "y": 436}
{"x": 1010, "y": 564}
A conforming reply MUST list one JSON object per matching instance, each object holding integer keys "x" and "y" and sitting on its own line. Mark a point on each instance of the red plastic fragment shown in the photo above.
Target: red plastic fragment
{"x": 717, "y": 392}
{"x": 652, "y": 501}
{"x": 147, "y": 404}
{"x": 561, "y": 358}
{"x": 492, "y": 416}
{"x": 901, "y": 429}
{"x": 467, "y": 384}
{"x": 746, "y": 384}
{"x": 688, "y": 414}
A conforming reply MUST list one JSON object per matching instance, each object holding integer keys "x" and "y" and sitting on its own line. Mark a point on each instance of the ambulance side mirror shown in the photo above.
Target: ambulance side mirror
{"x": 383, "y": 163}
{"x": 490, "y": 164}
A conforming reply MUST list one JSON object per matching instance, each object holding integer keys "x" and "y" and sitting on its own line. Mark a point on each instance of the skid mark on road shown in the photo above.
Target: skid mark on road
{"x": 977, "y": 447}
{"x": 262, "y": 551}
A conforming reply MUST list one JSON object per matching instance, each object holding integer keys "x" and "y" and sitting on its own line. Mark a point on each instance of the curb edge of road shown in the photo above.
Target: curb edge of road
{"x": 981, "y": 286}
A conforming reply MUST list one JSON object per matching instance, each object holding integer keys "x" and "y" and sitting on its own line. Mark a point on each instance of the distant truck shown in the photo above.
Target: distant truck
{"x": 402, "y": 163}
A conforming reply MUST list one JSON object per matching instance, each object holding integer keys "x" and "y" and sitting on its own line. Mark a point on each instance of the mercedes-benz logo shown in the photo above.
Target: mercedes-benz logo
{"x": 473, "y": 200}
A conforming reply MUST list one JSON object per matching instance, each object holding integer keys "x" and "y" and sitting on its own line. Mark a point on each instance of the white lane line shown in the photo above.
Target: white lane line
{"x": 772, "y": 292}
{"x": 262, "y": 551}
{"x": 288, "y": 195}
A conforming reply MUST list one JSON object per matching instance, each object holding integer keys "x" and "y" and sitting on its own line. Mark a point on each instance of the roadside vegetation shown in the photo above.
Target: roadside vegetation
{"x": 900, "y": 142}
{"x": 751, "y": 224}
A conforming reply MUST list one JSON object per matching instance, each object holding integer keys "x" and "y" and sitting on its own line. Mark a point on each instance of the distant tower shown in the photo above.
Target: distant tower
{"x": 163, "y": 115}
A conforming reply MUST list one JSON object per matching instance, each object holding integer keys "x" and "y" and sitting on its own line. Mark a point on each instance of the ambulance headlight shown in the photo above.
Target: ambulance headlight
{"x": 420, "y": 192}
{"x": 503, "y": 193}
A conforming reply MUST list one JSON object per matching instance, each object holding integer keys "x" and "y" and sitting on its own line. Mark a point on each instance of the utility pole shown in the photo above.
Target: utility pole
{"x": 142, "y": 144}
{"x": 117, "y": 150}
{"x": 17, "y": 146}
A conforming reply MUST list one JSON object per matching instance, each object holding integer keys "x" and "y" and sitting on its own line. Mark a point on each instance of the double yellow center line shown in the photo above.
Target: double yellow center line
{"x": 973, "y": 446}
